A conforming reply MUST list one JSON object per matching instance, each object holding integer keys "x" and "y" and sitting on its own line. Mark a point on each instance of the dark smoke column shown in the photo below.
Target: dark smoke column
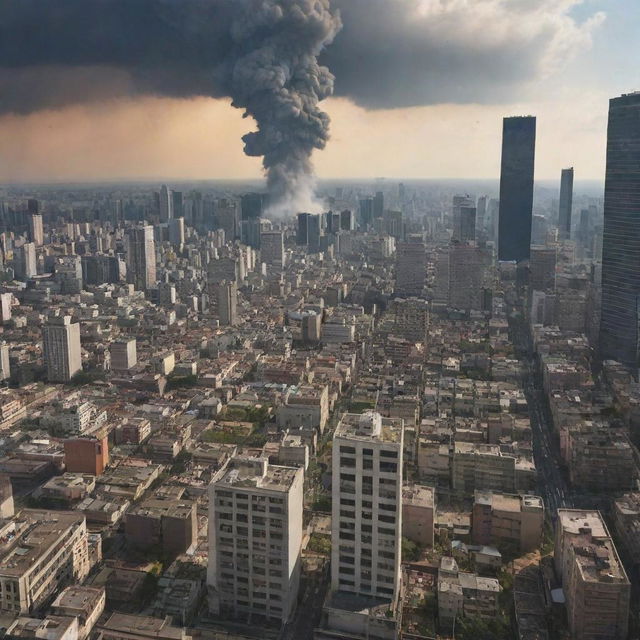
{"x": 274, "y": 75}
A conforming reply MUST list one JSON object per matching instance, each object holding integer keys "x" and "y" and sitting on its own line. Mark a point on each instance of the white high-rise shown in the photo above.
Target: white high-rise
{"x": 255, "y": 540}
{"x": 62, "y": 351}
{"x": 367, "y": 506}
{"x": 141, "y": 257}
{"x": 166, "y": 204}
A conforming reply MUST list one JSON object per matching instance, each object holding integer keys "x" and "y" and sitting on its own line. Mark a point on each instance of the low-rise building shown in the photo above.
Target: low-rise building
{"x": 418, "y": 506}
{"x": 68, "y": 487}
{"x": 40, "y": 551}
{"x": 594, "y": 582}
{"x": 502, "y": 519}
{"x": 86, "y": 604}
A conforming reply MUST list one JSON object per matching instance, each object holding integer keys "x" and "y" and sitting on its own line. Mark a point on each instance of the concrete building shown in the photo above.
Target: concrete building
{"x": 367, "y": 506}
{"x": 411, "y": 267}
{"x": 481, "y": 466}
{"x": 566, "y": 203}
{"x": 87, "y": 455}
{"x": 141, "y": 257}
{"x": 464, "y": 219}
{"x": 36, "y": 229}
{"x": 255, "y": 540}
{"x": 594, "y": 582}
{"x": 7, "y": 508}
{"x": 468, "y": 265}
{"x": 542, "y": 268}
{"x": 5, "y": 363}
{"x": 123, "y": 354}
{"x": 85, "y": 604}
{"x": 123, "y": 626}
{"x": 25, "y": 264}
{"x": 501, "y": 519}
{"x": 418, "y": 507}
{"x": 626, "y": 519}
{"x": 170, "y": 525}
{"x": 61, "y": 349}
{"x": 411, "y": 318}
{"x": 304, "y": 406}
{"x": 42, "y": 551}
{"x": 272, "y": 248}
{"x": 227, "y": 297}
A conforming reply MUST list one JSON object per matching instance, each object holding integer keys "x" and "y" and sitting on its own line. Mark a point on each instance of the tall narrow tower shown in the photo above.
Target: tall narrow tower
{"x": 566, "y": 202}
{"x": 516, "y": 188}
{"x": 619, "y": 331}
{"x": 62, "y": 352}
{"x": 141, "y": 257}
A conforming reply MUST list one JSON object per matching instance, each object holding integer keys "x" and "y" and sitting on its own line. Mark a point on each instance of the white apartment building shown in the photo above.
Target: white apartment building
{"x": 62, "y": 352}
{"x": 255, "y": 539}
{"x": 40, "y": 551}
{"x": 367, "y": 506}
{"x": 124, "y": 354}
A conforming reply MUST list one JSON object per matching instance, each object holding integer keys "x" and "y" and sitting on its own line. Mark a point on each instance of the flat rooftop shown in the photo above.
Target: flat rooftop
{"x": 256, "y": 473}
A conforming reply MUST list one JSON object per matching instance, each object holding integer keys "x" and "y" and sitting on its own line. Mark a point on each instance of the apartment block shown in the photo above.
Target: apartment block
{"x": 626, "y": 519}
{"x": 594, "y": 582}
{"x": 501, "y": 519}
{"x": 40, "y": 552}
{"x": 418, "y": 507}
{"x": 255, "y": 540}
{"x": 366, "y": 526}
{"x": 62, "y": 351}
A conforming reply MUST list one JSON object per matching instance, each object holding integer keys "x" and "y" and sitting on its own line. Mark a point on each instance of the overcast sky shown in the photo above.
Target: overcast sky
{"x": 426, "y": 101}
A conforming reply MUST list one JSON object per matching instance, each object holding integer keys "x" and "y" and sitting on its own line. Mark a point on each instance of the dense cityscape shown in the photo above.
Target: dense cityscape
{"x": 252, "y": 391}
{"x": 413, "y": 415}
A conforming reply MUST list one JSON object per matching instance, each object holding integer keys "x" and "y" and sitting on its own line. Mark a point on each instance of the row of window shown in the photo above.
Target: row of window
{"x": 384, "y": 453}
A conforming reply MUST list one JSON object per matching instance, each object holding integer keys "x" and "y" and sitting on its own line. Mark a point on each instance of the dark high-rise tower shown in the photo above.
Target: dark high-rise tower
{"x": 516, "y": 188}
{"x": 566, "y": 202}
{"x": 621, "y": 238}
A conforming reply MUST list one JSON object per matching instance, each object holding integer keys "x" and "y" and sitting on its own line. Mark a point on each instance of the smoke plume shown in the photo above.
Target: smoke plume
{"x": 263, "y": 54}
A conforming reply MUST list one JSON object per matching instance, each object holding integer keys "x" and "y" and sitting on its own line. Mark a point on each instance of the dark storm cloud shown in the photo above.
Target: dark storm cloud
{"x": 263, "y": 54}
{"x": 260, "y": 53}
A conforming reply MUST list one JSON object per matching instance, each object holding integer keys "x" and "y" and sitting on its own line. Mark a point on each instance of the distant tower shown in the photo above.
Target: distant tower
{"x": 272, "y": 248}
{"x": 302, "y": 232}
{"x": 464, "y": 219}
{"x": 36, "y": 229}
{"x": 141, "y": 257}
{"x": 227, "y": 293}
{"x": 620, "y": 319}
{"x": 516, "y": 188}
{"x": 62, "y": 352}
{"x": 25, "y": 262}
{"x": 566, "y": 202}
{"x": 378, "y": 205}
{"x": 411, "y": 267}
{"x": 176, "y": 232}
{"x": 166, "y": 204}
{"x": 366, "y": 213}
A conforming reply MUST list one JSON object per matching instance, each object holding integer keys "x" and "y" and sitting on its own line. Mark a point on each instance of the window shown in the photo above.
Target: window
{"x": 348, "y": 502}
{"x": 347, "y": 450}
{"x": 347, "y": 462}
{"x": 347, "y": 536}
{"x": 367, "y": 452}
{"x": 367, "y": 464}
{"x": 347, "y": 477}
{"x": 389, "y": 454}
{"x": 387, "y": 519}
{"x": 388, "y": 467}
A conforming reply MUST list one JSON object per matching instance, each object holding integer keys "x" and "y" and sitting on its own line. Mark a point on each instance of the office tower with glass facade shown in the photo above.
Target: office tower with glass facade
{"x": 619, "y": 330}
{"x": 516, "y": 188}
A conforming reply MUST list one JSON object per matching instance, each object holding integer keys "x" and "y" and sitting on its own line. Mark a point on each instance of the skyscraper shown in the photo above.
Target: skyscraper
{"x": 411, "y": 267}
{"x": 366, "y": 212}
{"x": 25, "y": 261}
{"x": 272, "y": 248}
{"x": 141, "y": 257}
{"x": 227, "y": 294}
{"x": 566, "y": 202}
{"x": 378, "y": 204}
{"x": 464, "y": 219}
{"x": 619, "y": 330}
{"x": 36, "y": 229}
{"x": 516, "y": 188}
{"x": 302, "y": 232}
{"x": 166, "y": 204}
{"x": 61, "y": 345}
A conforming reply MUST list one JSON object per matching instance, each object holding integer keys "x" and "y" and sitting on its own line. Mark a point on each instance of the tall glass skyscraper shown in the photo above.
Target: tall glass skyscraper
{"x": 621, "y": 239}
{"x": 566, "y": 203}
{"x": 516, "y": 188}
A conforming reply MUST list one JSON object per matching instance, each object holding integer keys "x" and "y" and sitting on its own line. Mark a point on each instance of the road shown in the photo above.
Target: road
{"x": 552, "y": 484}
